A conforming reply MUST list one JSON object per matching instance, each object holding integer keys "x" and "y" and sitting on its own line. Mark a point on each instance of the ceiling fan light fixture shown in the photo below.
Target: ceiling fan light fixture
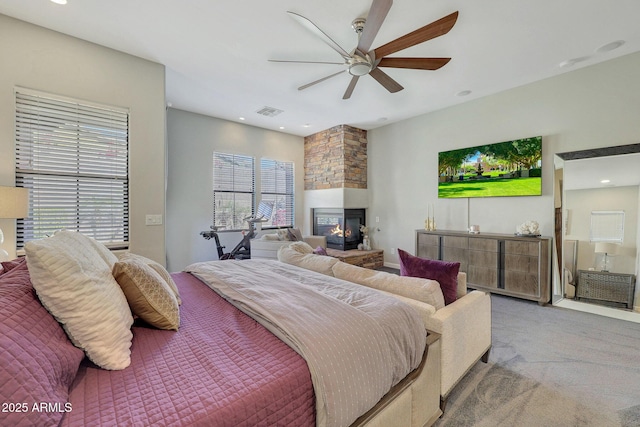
{"x": 359, "y": 66}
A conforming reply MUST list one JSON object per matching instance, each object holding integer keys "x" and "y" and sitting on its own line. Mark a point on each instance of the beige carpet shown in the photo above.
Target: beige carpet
{"x": 551, "y": 367}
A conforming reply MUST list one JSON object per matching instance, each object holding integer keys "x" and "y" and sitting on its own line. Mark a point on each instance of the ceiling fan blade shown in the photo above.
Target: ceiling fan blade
{"x": 320, "y": 80}
{"x": 428, "y": 32}
{"x": 306, "y": 62}
{"x": 386, "y": 81}
{"x": 318, "y": 32}
{"x": 352, "y": 85}
{"x": 414, "y": 63}
{"x": 377, "y": 14}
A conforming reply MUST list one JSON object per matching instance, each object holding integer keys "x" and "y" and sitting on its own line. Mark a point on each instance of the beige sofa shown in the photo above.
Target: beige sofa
{"x": 267, "y": 245}
{"x": 464, "y": 325}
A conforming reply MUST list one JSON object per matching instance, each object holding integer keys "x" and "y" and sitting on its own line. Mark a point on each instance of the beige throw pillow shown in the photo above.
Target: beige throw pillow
{"x": 148, "y": 294}
{"x": 158, "y": 269}
{"x": 72, "y": 277}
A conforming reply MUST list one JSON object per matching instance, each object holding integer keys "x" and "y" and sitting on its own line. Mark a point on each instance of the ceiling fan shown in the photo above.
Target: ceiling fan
{"x": 362, "y": 61}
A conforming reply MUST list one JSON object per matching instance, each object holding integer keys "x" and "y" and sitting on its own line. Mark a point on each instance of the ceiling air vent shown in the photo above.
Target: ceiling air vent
{"x": 269, "y": 111}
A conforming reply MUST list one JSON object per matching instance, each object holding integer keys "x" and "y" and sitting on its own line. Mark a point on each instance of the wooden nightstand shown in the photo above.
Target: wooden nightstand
{"x": 606, "y": 286}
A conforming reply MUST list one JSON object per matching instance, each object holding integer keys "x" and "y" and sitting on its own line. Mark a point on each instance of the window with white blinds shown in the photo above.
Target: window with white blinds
{"x": 233, "y": 190}
{"x": 607, "y": 226}
{"x": 73, "y": 157}
{"x": 276, "y": 184}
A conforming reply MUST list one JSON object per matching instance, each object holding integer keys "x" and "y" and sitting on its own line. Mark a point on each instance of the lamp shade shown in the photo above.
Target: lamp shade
{"x": 14, "y": 202}
{"x": 606, "y": 248}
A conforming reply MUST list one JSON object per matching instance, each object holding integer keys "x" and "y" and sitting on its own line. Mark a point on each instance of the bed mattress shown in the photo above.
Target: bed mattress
{"x": 220, "y": 369}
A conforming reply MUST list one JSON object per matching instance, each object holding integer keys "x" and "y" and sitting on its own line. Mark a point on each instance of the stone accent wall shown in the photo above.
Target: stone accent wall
{"x": 336, "y": 158}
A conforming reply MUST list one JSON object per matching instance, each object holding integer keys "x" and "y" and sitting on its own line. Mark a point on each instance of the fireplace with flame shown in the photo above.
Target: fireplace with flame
{"x": 341, "y": 226}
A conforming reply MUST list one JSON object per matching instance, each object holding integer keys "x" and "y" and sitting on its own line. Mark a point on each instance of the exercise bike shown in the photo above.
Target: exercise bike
{"x": 243, "y": 249}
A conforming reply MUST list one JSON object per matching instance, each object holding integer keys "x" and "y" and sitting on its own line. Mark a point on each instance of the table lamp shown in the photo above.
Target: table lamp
{"x": 607, "y": 249}
{"x": 14, "y": 203}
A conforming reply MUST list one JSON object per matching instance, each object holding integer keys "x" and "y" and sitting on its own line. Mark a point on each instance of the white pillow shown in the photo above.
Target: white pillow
{"x": 72, "y": 277}
{"x": 272, "y": 236}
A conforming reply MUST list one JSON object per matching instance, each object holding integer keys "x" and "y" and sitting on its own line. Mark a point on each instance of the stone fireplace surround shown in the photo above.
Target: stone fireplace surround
{"x": 335, "y": 171}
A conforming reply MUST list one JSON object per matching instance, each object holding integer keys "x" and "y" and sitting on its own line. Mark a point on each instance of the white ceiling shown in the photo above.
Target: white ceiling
{"x": 619, "y": 171}
{"x": 216, "y": 52}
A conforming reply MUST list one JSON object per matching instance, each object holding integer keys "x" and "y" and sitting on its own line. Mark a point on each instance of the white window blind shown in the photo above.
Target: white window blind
{"x": 277, "y": 184}
{"x": 233, "y": 190}
{"x": 73, "y": 157}
{"x": 607, "y": 226}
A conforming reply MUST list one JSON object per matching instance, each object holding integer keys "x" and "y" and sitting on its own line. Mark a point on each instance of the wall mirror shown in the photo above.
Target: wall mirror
{"x": 599, "y": 180}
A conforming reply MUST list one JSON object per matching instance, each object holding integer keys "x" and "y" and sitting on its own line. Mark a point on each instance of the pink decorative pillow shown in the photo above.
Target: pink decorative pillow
{"x": 38, "y": 363}
{"x": 445, "y": 273}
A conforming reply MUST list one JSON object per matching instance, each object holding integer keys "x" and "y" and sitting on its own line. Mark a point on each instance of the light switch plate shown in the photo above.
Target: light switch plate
{"x": 153, "y": 220}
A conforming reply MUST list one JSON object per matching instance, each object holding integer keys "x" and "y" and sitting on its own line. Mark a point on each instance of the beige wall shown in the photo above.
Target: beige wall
{"x": 595, "y": 106}
{"x": 36, "y": 58}
{"x": 192, "y": 140}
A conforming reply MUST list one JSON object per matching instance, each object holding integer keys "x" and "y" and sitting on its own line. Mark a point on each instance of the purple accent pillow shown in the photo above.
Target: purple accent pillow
{"x": 320, "y": 251}
{"x": 38, "y": 363}
{"x": 445, "y": 273}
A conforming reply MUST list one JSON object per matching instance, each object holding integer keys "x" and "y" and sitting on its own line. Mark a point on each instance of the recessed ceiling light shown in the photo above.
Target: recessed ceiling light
{"x": 306, "y": 125}
{"x": 59, "y": 1}
{"x": 281, "y": 127}
{"x": 610, "y": 46}
{"x": 240, "y": 118}
{"x": 605, "y": 181}
{"x": 463, "y": 93}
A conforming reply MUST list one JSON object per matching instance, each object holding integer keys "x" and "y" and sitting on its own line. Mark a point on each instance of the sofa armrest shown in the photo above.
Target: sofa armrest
{"x": 315, "y": 241}
{"x": 462, "y": 285}
{"x": 425, "y": 310}
{"x": 465, "y": 326}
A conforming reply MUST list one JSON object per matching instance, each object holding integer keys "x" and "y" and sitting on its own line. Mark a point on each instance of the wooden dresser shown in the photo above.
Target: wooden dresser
{"x": 500, "y": 263}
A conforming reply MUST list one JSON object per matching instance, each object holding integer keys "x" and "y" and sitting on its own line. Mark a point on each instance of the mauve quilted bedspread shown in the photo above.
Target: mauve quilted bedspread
{"x": 220, "y": 369}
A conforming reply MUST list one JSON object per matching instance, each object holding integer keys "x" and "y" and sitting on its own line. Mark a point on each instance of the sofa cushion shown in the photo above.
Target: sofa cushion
{"x": 72, "y": 277}
{"x": 424, "y": 290}
{"x": 302, "y": 247}
{"x": 445, "y": 273}
{"x": 292, "y": 254}
{"x": 148, "y": 294}
{"x": 38, "y": 363}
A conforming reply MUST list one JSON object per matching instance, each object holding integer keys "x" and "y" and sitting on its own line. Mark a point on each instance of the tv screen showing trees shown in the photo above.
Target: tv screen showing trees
{"x": 510, "y": 168}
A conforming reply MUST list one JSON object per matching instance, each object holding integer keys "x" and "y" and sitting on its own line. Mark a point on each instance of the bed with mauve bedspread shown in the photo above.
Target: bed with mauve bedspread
{"x": 220, "y": 369}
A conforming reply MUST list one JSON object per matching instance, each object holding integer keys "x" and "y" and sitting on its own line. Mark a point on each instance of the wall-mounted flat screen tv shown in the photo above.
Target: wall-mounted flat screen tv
{"x": 510, "y": 168}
